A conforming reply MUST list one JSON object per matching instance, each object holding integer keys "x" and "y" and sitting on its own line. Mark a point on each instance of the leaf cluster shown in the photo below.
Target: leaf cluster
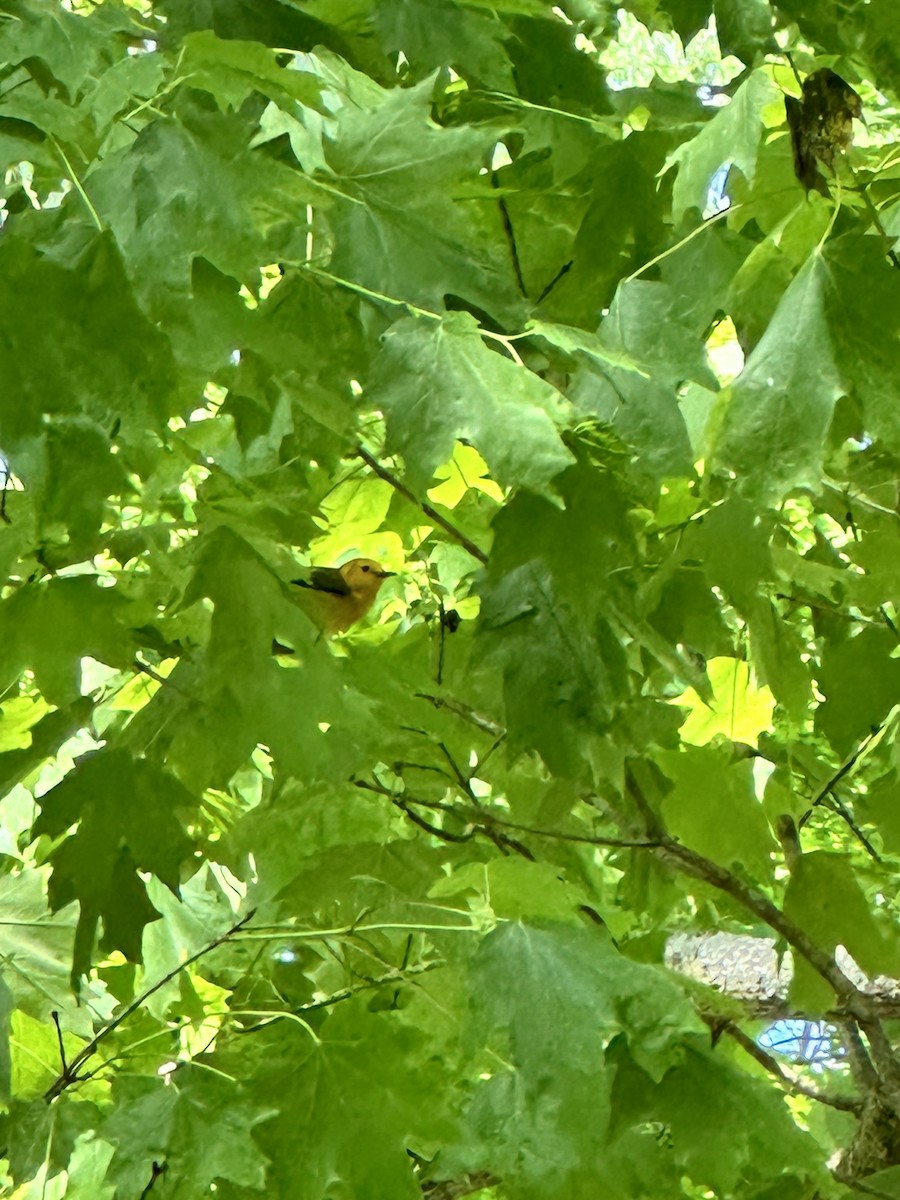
{"x": 527, "y": 303}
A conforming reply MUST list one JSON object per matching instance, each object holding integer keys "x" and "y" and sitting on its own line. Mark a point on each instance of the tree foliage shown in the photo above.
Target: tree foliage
{"x": 527, "y": 303}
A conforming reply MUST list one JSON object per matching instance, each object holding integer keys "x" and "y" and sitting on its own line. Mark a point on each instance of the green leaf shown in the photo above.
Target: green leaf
{"x": 192, "y": 188}
{"x": 744, "y": 28}
{"x": 731, "y": 139}
{"x": 99, "y": 356}
{"x": 439, "y": 383}
{"x": 58, "y": 623}
{"x": 366, "y": 1091}
{"x": 782, "y": 404}
{"x": 713, "y": 808}
{"x": 125, "y": 810}
{"x": 738, "y": 708}
{"x": 860, "y": 680}
{"x": 531, "y": 1119}
{"x": 825, "y": 899}
{"x": 864, "y": 347}
{"x": 740, "y": 1148}
{"x": 472, "y": 43}
{"x": 232, "y": 70}
{"x": 410, "y": 218}
{"x": 170, "y": 1121}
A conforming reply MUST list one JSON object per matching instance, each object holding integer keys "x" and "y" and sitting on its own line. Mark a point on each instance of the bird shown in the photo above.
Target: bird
{"x": 338, "y": 597}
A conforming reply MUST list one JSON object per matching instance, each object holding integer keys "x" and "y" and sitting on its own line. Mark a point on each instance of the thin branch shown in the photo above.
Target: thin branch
{"x": 442, "y": 612}
{"x": 461, "y": 778}
{"x": 485, "y": 821}
{"x": 689, "y": 862}
{"x": 886, "y": 239}
{"x": 427, "y": 827}
{"x": 430, "y": 512}
{"x": 70, "y": 1075}
{"x": 510, "y": 239}
{"x": 495, "y": 745}
{"x": 459, "y": 709}
{"x": 560, "y": 274}
{"x": 59, "y": 1039}
{"x": 853, "y": 1000}
{"x": 347, "y": 993}
{"x": 826, "y": 608}
{"x": 4, "y": 515}
{"x": 844, "y": 813}
{"x": 786, "y": 1078}
{"x": 155, "y": 1172}
{"x": 858, "y": 1056}
{"x": 844, "y": 769}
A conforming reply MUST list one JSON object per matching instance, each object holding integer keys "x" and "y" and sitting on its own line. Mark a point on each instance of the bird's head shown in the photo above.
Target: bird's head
{"x": 364, "y": 576}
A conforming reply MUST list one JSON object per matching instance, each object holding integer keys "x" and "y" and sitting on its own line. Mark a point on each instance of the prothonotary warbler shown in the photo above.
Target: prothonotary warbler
{"x": 338, "y": 597}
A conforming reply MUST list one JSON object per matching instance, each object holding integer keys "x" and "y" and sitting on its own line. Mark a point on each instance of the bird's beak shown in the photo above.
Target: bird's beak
{"x": 386, "y": 574}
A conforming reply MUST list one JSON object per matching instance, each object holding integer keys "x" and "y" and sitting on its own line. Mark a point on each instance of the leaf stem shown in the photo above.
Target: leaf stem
{"x": 684, "y": 241}
{"x": 76, "y": 182}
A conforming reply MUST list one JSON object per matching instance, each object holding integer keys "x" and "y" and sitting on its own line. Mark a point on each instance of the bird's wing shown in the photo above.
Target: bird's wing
{"x": 325, "y": 579}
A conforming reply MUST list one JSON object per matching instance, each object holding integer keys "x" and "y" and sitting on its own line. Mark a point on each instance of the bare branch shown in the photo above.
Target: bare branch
{"x": 787, "y": 1079}
{"x": 70, "y": 1075}
{"x": 429, "y": 511}
{"x": 459, "y": 709}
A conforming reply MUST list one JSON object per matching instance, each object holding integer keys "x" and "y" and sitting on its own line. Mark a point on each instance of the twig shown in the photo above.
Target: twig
{"x": 858, "y": 1056}
{"x": 155, "y": 1171}
{"x": 497, "y": 743}
{"x": 854, "y": 1001}
{"x": 844, "y": 813}
{"x": 484, "y": 821}
{"x": 826, "y": 608}
{"x": 689, "y": 862}
{"x": 876, "y": 221}
{"x": 844, "y": 769}
{"x": 511, "y": 239}
{"x": 59, "y": 1039}
{"x": 4, "y": 471}
{"x": 70, "y": 1074}
{"x": 560, "y": 274}
{"x": 347, "y": 993}
{"x": 461, "y": 778}
{"x": 433, "y": 830}
{"x": 442, "y": 614}
{"x": 785, "y": 1078}
{"x": 430, "y": 512}
{"x": 459, "y": 709}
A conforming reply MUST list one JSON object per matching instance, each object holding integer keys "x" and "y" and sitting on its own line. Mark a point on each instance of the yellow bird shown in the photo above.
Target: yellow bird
{"x": 338, "y": 597}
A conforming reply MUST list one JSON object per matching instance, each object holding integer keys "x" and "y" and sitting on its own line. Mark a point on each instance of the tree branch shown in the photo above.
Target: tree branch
{"x": 429, "y": 511}
{"x": 70, "y": 1074}
{"x": 844, "y": 769}
{"x": 485, "y": 724}
{"x": 788, "y": 1080}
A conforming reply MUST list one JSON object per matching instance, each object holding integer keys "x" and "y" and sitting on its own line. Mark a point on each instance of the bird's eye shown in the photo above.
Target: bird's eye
{"x": 366, "y": 568}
